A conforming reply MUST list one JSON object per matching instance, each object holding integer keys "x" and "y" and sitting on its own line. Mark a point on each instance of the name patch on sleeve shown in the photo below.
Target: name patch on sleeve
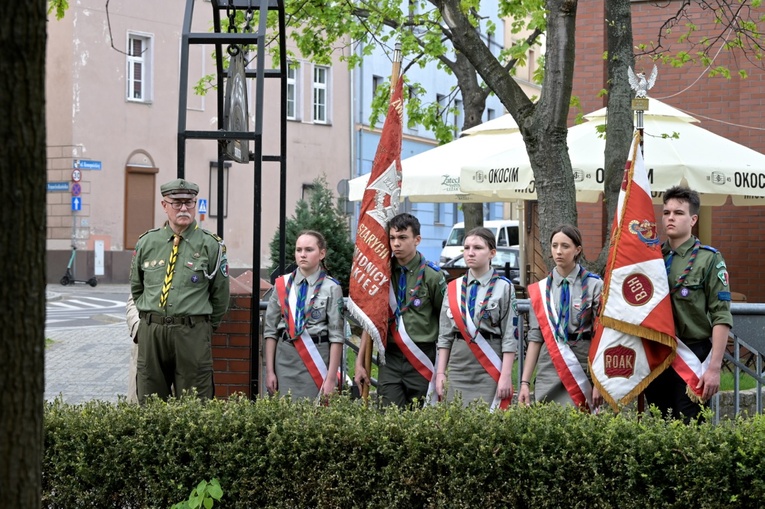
{"x": 725, "y": 296}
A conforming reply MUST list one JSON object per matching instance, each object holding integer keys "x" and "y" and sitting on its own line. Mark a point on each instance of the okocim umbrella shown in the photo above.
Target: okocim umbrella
{"x": 675, "y": 151}
{"x": 434, "y": 175}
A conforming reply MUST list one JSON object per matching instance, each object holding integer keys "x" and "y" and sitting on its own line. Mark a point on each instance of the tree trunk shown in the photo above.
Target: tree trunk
{"x": 619, "y": 128}
{"x": 543, "y": 125}
{"x": 474, "y": 103}
{"x": 22, "y": 282}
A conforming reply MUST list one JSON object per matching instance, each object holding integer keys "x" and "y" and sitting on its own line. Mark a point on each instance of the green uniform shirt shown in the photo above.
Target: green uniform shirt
{"x": 200, "y": 284}
{"x": 422, "y": 317}
{"x": 703, "y": 298}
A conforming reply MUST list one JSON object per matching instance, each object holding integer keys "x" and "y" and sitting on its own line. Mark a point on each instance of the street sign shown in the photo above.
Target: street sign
{"x": 76, "y": 189}
{"x": 76, "y": 203}
{"x": 58, "y": 186}
{"x": 202, "y": 206}
{"x": 76, "y": 175}
{"x": 86, "y": 165}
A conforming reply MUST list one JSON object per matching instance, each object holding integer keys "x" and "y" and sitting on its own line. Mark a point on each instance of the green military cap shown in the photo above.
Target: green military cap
{"x": 179, "y": 186}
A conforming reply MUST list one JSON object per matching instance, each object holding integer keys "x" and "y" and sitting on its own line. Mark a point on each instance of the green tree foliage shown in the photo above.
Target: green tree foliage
{"x": 321, "y": 213}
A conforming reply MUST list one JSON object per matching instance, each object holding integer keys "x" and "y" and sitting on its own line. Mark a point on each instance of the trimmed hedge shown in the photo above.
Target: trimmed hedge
{"x": 273, "y": 453}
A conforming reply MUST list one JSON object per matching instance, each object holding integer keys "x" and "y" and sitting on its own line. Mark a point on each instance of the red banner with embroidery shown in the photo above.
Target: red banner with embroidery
{"x": 634, "y": 339}
{"x": 481, "y": 348}
{"x": 371, "y": 269}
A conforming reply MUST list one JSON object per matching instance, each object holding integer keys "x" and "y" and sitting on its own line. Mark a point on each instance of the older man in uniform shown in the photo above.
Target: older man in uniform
{"x": 179, "y": 282}
{"x": 698, "y": 285}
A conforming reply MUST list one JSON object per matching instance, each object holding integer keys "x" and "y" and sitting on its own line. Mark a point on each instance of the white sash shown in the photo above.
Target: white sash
{"x": 412, "y": 352}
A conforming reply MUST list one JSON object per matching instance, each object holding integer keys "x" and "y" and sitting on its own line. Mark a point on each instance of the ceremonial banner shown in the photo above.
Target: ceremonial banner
{"x": 370, "y": 272}
{"x": 634, "y": 339}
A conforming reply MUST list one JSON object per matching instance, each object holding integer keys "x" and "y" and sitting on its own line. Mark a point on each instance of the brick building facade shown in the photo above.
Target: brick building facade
{"x": 732, "y": 108}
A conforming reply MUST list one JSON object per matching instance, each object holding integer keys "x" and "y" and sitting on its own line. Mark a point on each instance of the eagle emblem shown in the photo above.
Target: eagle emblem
{"x": 639, "y": 83}
{"x": 646, "y": 231}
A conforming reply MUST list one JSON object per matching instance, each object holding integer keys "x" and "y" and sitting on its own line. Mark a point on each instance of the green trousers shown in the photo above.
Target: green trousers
{"x": 398, "y": 382}
{"x": 173, "y": 359}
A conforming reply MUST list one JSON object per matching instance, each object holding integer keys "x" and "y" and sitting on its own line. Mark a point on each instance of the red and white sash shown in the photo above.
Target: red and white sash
{"x": 564, "y": 359}
{"x": 483, "y": 352}
{"x": 412, "y": 352}
{"x": 690, "y": 369}
{"x": 304, "y": 343}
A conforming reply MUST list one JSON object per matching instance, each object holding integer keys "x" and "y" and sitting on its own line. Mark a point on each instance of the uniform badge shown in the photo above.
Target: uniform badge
{"x": 194, "y": 278}
{"x": 145, "y": 265}
{"x": 723, "y": 275}
{"x": 162, "y": 263}
{"x": 196, "y": 255}
{"x": 154, "y": 263}
{"x": 190, "y": 265}
{"x": 721, "y": 265}
{"x": 416, "y": 302}
{"x": 224, "y": 269}
{"x": 486, "y": 314}
{"x": 684, "y": 292}
{"x": 316, "y": 314}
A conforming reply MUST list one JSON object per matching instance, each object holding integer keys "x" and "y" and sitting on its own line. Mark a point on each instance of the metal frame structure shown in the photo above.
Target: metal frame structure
{"x": 256, "y": 40}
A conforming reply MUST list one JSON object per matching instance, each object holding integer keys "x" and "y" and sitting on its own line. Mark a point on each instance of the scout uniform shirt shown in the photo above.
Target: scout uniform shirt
{"x": 701, "y": 298}
{"x": 584, "y": 308}
{"x": 422, "y": 314}
{"x": 499, "y": 316}
{"x": 200, "y": 283}
{"x": 324, "y": 317}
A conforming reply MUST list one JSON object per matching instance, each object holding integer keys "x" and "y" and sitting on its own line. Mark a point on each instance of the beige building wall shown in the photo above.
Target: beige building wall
{"x": 90, "y": 118}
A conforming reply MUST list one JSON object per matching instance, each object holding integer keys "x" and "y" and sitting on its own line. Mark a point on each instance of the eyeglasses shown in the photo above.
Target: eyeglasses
{"x": 178, "y": 205}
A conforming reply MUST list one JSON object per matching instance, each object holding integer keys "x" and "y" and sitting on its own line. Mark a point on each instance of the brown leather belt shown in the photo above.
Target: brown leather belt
{"x": 173, "y": 320}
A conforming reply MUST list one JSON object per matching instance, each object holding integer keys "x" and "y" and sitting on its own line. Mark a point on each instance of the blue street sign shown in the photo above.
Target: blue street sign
{"x": 58, "y": 186}
{"x": 76, "y": 203}
{"x": 83, "y": 164}
{"x": 76, "y": 189}
{"x": 202, "y": 206}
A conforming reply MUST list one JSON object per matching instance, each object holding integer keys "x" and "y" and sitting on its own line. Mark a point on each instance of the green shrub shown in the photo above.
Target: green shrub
{"x": 274, "y": 453}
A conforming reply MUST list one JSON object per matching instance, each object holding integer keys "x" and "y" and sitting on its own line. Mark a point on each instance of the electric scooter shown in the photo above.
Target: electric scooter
{"x": 69, "y": 279}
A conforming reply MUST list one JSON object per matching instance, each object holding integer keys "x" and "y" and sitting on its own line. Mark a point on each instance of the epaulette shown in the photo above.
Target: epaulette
{"x": 149, "y": 231}
{"x": 505, "y": 279}
{"x": 333, "y": 280}
{"x": 592, "y": 274}
{"x": 709, "y": 248}
{"x": 218, "y": 239}
{"x": 433, "y": 266}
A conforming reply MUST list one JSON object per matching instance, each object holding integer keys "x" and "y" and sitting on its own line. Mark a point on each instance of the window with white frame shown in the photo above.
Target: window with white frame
{"x": 377, "y": 82}
{"x": 437, "y": 214}
{"x": 139, "y": 70}
{"x": 293, "y": 71}
{"x": 320, "y": 94}
{"x": 491, "y": 114}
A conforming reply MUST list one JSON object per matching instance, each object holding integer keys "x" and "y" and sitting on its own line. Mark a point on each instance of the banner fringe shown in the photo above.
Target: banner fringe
{"x": 368, "y": 326}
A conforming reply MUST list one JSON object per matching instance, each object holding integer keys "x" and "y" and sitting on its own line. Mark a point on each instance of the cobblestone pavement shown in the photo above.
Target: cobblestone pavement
{"x": 86, "y": 363}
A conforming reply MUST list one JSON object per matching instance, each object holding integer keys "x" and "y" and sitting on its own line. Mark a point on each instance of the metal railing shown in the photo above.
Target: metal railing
{"x": 744, "y": 355}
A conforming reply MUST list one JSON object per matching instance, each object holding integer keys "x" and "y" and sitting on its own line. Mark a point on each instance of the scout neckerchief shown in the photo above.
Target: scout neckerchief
{"x": 686, "y": 364}
{"x": 681, "y": 278}
{"x": 170, "y": 271}
{"x": 564, "y": 359}
{"x": 478, "y": 345}
{"x": 405, "y": 343}
{"x": 302, "y": 341}
{"x": 467, "y": 306}
{"x": 402, "y": 304}
{"x": 564, "y": 306}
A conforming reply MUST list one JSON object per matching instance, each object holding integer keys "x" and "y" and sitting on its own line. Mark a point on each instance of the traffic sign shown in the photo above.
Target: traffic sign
{"x": 76, "y": 175}
{"x": 202, "y": 206}
{"x": 76, "y": 189}
{"x": 86, "y": 165}
{"x": 76, "y": 203}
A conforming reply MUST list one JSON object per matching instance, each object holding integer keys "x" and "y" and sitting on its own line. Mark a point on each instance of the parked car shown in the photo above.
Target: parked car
{"x": 505, "y": 231}
{"x": 505, "y": 256}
